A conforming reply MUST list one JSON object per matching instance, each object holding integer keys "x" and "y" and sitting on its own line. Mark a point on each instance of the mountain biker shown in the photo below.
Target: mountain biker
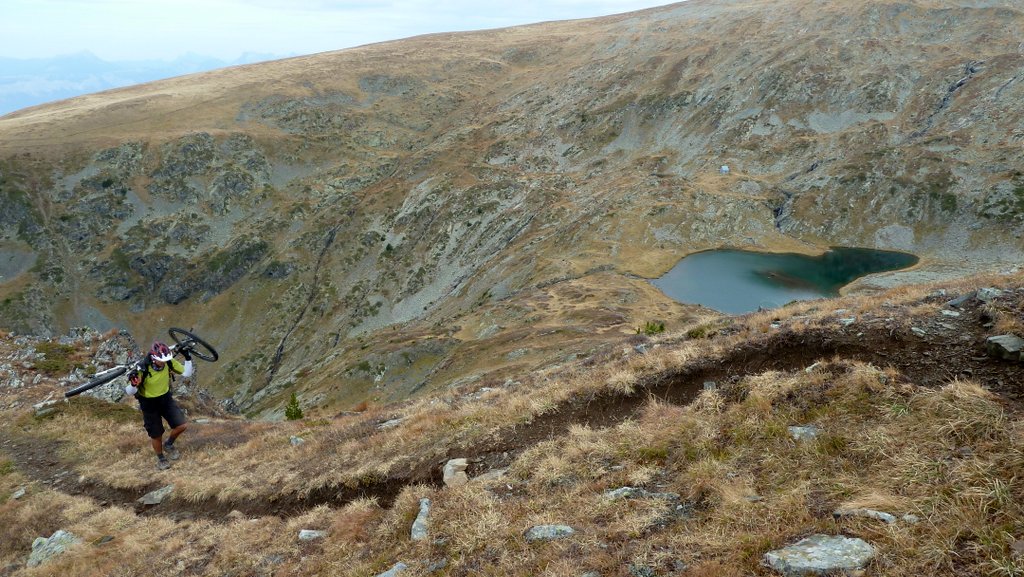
{"x": 152, "y": 387}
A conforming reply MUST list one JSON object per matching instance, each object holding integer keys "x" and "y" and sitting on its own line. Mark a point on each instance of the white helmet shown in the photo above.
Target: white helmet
{"x": 161, "y": 352}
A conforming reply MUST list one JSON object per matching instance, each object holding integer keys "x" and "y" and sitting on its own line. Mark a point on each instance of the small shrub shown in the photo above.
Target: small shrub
{"x": 651, "y": 328}
{"x": 293, "y": 411}
{"x": 701, "y": 332}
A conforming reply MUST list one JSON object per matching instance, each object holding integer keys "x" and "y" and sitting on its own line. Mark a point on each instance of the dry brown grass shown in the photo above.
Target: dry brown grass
{"x": 951, "y": 456}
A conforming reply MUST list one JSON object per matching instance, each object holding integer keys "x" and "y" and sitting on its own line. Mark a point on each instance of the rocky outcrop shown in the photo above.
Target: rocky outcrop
{"x": 44, "y": 549}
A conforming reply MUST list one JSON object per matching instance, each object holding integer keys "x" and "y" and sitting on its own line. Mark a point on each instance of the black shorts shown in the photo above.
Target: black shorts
{"x": 155, "y": 410}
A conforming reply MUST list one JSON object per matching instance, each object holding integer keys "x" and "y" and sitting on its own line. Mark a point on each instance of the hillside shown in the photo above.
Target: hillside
{"x": 694, "y": 453}
{"x": 380, "y": 222}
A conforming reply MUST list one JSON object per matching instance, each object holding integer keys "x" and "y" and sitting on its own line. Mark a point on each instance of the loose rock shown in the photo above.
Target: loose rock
{"x": 419, "y": 526}
{"x": 821, "y": 555}
{"x": 156, "y": 497}
{"x": 44, "y": 549}
{"x": 455, "y": 472}
{"x": 395, "y": 570}
{"x": 1006, "y": 347}
{"x": 804, "y": 433}
{"x": 869, "y": 513}
{"x": 311, "y": 535}
{"x": 548, "y": 532}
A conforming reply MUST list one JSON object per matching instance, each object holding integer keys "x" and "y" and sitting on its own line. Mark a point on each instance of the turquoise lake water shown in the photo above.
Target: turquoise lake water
{"x": 737, "y": 281}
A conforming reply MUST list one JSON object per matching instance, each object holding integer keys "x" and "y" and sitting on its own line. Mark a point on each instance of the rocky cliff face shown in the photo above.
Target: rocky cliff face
{"x": 371, "y": 222}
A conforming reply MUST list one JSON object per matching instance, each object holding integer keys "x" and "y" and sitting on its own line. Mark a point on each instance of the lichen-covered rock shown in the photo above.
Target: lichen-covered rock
{"x": 548, "y": 532}
{"x": 419, "y": 526}
{"x": 804, "y": 433}
{"x": 44, "y": 549}
{"x": 821, "y": 555}
{"x": 394, "y": 570}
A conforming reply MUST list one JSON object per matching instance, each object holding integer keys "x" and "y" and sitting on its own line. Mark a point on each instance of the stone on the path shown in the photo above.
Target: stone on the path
{"x": 156, "y": 497}
{"x": 821, "y": 555}
{"x": 548, "y": 532}
{"x": 44, "y": 549}
{"x": 18, "y": 494}
{"x": 311, "y": 535}
{"x": 455, "y": 472}
{"x": 419, "y": 526}
{"x": 804, "y": 433}
{"x": 1006, "y": 347}
{"x": 869, "y": 513}
{"x": 395, "y": 570}
{"x": 296, "y": 440}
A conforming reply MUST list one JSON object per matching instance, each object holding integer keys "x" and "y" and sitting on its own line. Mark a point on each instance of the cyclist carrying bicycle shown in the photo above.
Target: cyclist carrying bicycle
{"x": 151, "y": 385}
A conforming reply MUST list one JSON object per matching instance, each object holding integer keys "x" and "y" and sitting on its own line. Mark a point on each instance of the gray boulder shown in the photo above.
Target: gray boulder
{"x": 156, "y": 497}
{"x": 455, "y": 472}
{"x": 395, "y": 570}
{"x": 821, "y": 555}
{"x": 419, "y": 526}
{"x": 1007, "y": 347}
{"x": 44, "y": 549}
{"x": 548, "y": 532}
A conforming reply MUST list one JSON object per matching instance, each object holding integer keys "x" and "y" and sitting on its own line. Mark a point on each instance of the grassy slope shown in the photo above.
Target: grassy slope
{"x": 924, "y": 443}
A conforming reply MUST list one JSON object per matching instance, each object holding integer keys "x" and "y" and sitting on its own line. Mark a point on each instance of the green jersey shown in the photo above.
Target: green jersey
{"x": 157, "y": 383}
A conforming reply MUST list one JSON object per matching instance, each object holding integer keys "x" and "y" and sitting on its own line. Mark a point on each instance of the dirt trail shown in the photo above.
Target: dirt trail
{"x": 948, "y": 348}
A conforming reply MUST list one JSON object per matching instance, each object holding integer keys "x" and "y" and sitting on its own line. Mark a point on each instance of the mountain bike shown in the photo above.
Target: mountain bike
{"x": 183, "y": 341}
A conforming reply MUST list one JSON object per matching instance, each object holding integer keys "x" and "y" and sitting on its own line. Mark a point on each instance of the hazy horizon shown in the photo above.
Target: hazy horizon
{"x": 57, "y": 49}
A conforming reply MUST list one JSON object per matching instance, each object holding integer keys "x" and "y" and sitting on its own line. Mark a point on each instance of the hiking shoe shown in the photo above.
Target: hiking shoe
{"x": 162, "y": 463}
{"x": 171, "y": 452}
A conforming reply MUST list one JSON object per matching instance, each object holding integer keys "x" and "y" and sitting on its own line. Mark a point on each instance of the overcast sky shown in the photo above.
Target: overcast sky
{"x": 225, "y": 29}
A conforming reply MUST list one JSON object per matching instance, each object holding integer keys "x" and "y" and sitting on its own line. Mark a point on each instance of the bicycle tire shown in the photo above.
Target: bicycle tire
{"x": 96, "y": 382}
{"x": 181, "y": 336}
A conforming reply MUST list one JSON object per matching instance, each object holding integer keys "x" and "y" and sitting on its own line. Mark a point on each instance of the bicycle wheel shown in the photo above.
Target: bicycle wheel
{"x": 105, "y": 378}
{"x": 200, "y": 348}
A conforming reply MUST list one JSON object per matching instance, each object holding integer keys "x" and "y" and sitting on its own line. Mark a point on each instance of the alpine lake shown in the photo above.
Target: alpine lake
{"x": 738, "y": 281}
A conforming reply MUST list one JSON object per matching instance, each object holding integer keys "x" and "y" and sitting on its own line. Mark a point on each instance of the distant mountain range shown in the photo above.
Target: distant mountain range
{"x": 28, "y": 82}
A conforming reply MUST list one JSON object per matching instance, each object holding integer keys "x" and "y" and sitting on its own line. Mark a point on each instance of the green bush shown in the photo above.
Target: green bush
{"x": 701, "y": 332}
{"x": 651, "y": 328}
{"x": 293, "y": 411}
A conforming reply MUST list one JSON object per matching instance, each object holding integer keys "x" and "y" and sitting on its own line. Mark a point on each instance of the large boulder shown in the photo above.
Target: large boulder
{"x": 821, "y": 555}
{"x": 1007, "y": 347}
